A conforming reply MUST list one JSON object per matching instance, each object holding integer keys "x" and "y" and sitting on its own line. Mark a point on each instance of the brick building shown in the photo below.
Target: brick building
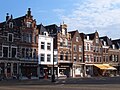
{"x": 62, "y": 46}
{"x": 18, "y": 46}
{"x": 77, "y": 54}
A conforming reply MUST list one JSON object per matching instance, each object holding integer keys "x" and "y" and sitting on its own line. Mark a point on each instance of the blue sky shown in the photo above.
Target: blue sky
{"x": 84, "y": 15}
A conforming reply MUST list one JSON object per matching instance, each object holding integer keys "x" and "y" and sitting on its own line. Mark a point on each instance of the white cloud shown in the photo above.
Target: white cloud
{"x": 103, "y": 15}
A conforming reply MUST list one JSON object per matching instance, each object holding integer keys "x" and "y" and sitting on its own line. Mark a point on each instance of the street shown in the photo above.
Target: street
{"x": 62, "y": 87}
{"x": 97, "y": 83}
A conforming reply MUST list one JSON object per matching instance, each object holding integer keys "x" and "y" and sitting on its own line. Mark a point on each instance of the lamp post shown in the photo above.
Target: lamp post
{"x": 53, "y": 75}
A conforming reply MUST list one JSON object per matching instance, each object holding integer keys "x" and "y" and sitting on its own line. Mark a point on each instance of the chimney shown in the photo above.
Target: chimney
{"x": 7, "y": 17}
{"x": 11, "y": 16}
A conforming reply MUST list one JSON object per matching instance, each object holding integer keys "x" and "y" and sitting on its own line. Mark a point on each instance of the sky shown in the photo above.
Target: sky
{"x": 87, "y": 16}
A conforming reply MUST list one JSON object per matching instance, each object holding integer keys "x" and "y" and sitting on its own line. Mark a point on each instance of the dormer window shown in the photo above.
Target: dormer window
{"x": 10, "y": 37}
{"x": 104, "y": 43}
{"x": 29, "y": 24}
{"x": 113, "y": 46}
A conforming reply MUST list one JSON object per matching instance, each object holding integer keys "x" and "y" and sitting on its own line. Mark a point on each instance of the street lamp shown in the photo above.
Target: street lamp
{"x": 53, "y": 75}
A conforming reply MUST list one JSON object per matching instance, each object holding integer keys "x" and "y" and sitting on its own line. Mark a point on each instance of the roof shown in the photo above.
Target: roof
{"x": 72, "y": 33}
{"x": 116, "y": 42}
{"x": 16, "y": 21}
{"x": 41, "y": 27}
{"x": 107, "y": 40}
{"x": 53, "y": 28}
{"x": 91, "y": 36}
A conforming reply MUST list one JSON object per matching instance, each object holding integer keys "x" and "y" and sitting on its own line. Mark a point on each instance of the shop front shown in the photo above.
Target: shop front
{"x": 8, "y": 70}
{"x": 78, "y": 70}
{"x": 28, "y": 70}
{"x": 104, "y": 70}
{"x": 65, "y": 70}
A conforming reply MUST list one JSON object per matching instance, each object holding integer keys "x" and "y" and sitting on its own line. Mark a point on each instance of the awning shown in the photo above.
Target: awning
{"x": 109, "y": 67}
{"x": 101, "y": 66}
{"x": 105, "y": 66}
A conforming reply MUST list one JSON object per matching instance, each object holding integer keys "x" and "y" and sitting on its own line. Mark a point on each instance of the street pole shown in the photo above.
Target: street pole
{"x": 53, "y": 75}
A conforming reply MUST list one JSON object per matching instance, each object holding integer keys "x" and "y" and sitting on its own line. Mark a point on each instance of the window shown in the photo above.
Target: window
{"x": 55, "y": 58}
{"x": 14, "y": 52}
{"x": 77, "y": 39}
{"x": 66, "y": 42}
{"x": 27, "y": 37}
{"x": 48, "y": 46}
{"x": 87, "y": 58}
{"x": 48, "y": 57}
{"x": 113, "y": 58}
{"x": 42, "y": 57}
{"x": 23, "y": 52}
{"x": 61, "y": 56}
{"x": 95, "y": 58}
{"x": 75, "y": 58}
{"x": 74, "y": 48}
{"x": 97, "y": 40}
{"x": 80, "y": 58}
{"x": 35, "y": 41}
{"x": 42, "y": 45}
{"x": 61, "y": 42}
{"x": 34, "y": 54}
{"x": 10, "y": 24}
{"x": 80, "y": 48}
{"x": 10, "y": 37}
{"x": 27, "y": 53}
{"x": 66, "y": 56}
{"x": 110, "y": 57}
{"x": 5, "y": 51}
{"x": 87, "y": 47}
{"x": 106, "y": 58}
{"x": 30, "y": 52}
{"x": 97, "y": 49}
{"x": 42, "y": 33}
{"x": 29, "y": 24}
{"x": 100, "y": 59}
{"x": 24, "y": 37}
{"x": 116, "y": 58}
{"x": 30, "y": 38}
